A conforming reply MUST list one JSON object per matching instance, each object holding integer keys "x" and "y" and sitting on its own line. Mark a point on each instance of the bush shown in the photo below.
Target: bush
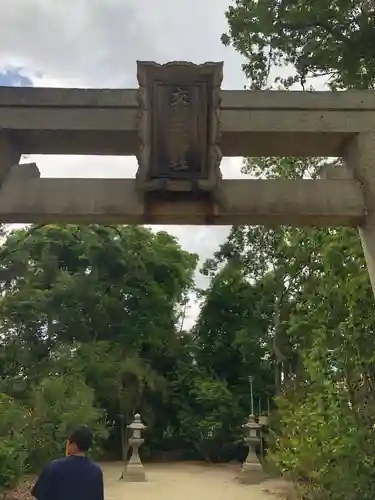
{"x": 323, "y": 446}
{"x": 31, "y": 436}
{"x": 13, "y": 453}
{"x": 211, "y": 421}
{"x": 58, "y": 405}
{"x": 12, "y": 462}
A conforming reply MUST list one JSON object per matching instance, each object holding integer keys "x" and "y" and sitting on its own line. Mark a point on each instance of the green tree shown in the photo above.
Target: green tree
{"x": 232, "y": 334}
{"x": 105, "y": 302}
{"x": 57, "y": 405}
{"x": 75, "y": 283}
{"x": 13, "y": 448}
{"x": 207, "y": 415}
{"x": 122, "y": 382}
{"x": 322, "y": 325}
{"x": 65, "y": 284}
{"x": 311, "y": 38}
{"x": 323, "y": 299}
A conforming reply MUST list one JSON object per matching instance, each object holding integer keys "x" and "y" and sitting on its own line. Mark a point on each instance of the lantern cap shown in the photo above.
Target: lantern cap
{"x": 137, "y": 423}
{"x": 251, "y": 423}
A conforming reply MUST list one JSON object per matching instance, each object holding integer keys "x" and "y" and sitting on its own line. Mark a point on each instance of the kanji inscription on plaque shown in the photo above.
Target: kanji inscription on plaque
{"x": 178, "y": 125}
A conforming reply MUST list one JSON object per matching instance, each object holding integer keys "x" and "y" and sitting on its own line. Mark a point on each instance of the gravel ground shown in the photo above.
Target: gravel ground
{"x": 182, "y": 481}
{"x": 188, "y": 481}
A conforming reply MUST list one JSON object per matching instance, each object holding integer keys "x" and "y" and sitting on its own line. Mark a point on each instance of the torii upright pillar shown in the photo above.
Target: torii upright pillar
{"x": 359, "y": 157}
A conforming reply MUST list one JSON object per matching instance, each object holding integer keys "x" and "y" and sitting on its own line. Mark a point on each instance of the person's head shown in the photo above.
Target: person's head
{"x": 79, "y": 441}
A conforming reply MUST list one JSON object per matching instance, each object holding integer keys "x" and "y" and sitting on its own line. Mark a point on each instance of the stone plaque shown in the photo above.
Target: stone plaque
{"x": 178, "y": 126}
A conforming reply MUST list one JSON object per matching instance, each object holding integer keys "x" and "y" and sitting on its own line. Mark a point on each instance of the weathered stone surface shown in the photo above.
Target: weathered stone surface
{"x": 360, "y": 159}
{"x": 251, "y": 473}
{"x": 24, "y": 171}
{"x": 9, "y": 154}
{"x": 332, "y": 171}
{"x": 178, "y": 126}
{"x": 134, "y": 473}
{"x": 247, "y": 201}
{"x": 350, "y": 100}
{"x": 104, "y": 121}
{"x": 134, "y": 470}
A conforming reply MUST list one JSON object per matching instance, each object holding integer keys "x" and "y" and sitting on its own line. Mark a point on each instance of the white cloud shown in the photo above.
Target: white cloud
{"x": 97, "y": 42}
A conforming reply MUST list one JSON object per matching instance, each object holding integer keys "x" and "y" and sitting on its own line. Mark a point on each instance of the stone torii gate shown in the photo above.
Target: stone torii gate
{"x": 179, "y": 124}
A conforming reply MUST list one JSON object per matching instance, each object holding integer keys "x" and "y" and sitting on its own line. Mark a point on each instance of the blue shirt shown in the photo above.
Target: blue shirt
{"x": 70, "y": 478}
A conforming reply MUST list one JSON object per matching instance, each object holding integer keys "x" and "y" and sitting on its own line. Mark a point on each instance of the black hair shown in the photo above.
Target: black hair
{"x": 82, "y": 436}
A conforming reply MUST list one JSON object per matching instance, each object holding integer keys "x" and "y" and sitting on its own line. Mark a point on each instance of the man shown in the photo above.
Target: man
{"x": 74, "y": 477}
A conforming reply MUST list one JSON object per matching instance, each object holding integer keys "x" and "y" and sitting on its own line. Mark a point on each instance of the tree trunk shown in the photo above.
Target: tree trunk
{"x": 124, "y": 439}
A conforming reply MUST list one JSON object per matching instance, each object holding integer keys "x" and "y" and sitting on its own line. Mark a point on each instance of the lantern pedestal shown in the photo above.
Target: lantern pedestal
{"x": 134, "y": 471}
{"x": 251, "y": 471}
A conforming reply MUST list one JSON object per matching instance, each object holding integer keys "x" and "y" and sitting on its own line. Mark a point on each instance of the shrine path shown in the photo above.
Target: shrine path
{"x": 188, "y": 481}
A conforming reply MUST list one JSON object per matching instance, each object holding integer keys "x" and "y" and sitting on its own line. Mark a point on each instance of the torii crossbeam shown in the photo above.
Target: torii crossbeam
{"x": 179, "y": 124}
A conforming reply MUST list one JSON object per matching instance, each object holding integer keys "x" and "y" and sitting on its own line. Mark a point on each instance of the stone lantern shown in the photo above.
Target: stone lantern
{"x": 134, "y": 470}
{"x": 251, "y": 471}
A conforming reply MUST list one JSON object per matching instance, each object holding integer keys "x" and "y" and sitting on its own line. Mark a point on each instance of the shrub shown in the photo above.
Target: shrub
{"x": 323, "y": 446}
{"x": 13, "y": 453}
{"x": 58, "y": 404}
{"x": 211, "y": 420}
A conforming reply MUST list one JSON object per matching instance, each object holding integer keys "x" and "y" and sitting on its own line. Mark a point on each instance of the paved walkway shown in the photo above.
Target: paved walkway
{"x": 187, "y": 481}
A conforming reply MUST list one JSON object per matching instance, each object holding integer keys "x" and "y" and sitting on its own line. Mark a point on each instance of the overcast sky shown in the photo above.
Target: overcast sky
{"x": 95, "y": 43}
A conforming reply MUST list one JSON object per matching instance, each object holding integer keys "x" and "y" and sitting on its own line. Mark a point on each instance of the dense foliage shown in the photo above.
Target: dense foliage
{"x": 309, "y": 38}
{"x": 92, "y": 330}
{"x": 324, "y": 318}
